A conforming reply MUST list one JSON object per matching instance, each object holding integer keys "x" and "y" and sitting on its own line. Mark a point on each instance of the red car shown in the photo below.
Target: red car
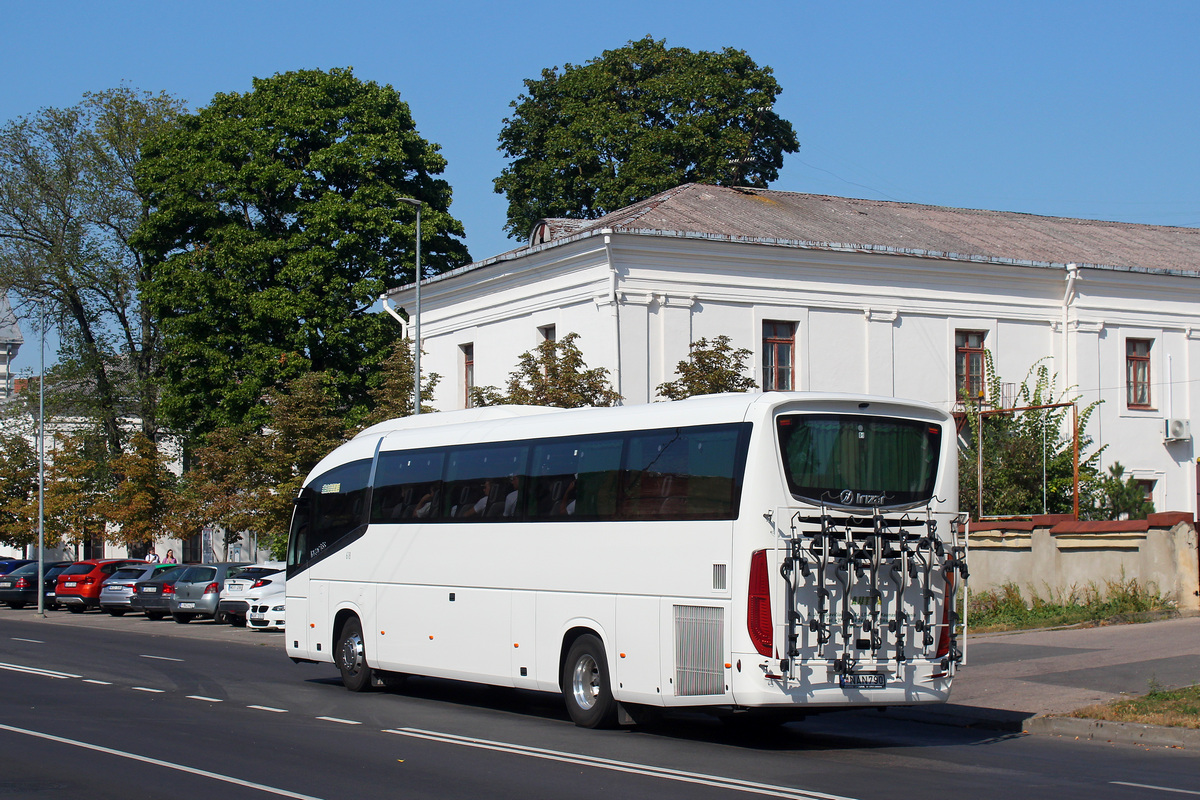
{"x": 79, "y": 585}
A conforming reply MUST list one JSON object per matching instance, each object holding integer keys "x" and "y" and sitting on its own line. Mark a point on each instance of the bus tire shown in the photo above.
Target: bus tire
{"x": 585, "y": 684}
{"x": 352, "y": 657}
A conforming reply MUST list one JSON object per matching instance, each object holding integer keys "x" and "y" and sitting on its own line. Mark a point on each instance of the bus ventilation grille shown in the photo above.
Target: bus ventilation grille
{"x": 699, "y": 650}
{"x": 719, "y": 581}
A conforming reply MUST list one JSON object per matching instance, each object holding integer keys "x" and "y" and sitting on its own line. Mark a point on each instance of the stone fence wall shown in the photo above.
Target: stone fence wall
{"x": 1053, "y": 556}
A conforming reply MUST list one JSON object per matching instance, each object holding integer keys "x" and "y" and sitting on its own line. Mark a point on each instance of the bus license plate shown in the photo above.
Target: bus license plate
{"x": 863, "y": 680}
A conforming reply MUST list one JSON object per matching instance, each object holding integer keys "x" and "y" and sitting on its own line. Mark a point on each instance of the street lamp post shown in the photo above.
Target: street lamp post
{"x": 41, "y": 589}
{"x": 417, "y": 312}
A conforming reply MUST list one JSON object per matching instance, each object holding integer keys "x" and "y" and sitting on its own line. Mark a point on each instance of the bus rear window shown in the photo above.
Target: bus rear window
{"x": 859, "y": 461}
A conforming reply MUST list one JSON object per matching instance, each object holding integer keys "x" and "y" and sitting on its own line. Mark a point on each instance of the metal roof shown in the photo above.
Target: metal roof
{"x": 841, "y": 223}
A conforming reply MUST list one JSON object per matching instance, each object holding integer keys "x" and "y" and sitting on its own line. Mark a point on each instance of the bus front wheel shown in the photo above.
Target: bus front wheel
{"x": 352, "y": 657}
{"x": 585, "y": 684}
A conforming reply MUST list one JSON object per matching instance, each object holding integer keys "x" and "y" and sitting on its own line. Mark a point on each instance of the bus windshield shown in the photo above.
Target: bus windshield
{"x": 858, "y": 461}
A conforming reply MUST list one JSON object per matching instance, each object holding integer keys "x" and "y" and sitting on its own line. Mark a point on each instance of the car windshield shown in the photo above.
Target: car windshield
{"x": 127, "y": 573}
{"x": 79, "y": 569}
{"x": 28, "y": 569}
{"x": 168, "y": 575}
{"x": 54, "y": 572}
{"x": 197, "y": 575}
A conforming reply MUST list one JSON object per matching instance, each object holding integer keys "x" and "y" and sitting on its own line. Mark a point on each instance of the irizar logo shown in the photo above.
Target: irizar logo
{"x": 849, "y": 497}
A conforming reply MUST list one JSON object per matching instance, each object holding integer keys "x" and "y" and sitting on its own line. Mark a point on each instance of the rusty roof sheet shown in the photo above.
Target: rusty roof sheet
{"x": 825, "y": 222}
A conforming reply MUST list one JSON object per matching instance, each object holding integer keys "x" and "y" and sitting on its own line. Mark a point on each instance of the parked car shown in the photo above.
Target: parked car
{"x": 19, "y": 587}
{"x": 153, "y": 596}
{"x": 267, "y": 611}
{"x": 198, "y": 590}
{"x": 78, "y": 586}
{"x": 233, "y": 604}
{"x": 7, "y": 565}
{"x": 118, "y": 589}
{"x": 50, "y": 586}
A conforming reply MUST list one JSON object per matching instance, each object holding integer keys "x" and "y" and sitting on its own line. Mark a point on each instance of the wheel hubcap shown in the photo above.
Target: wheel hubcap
{"x": 351, "y": 656}
{"x": 585, "y": 682}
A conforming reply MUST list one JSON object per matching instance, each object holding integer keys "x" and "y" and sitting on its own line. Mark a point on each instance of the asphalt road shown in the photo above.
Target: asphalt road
{"x": 129, "y": 708}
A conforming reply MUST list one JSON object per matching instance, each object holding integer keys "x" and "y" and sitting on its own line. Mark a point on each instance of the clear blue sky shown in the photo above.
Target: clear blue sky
{"x": 1082, "y": 109}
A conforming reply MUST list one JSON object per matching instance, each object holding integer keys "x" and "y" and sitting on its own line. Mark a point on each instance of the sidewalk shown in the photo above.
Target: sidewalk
{"x": 1018, "y": 681}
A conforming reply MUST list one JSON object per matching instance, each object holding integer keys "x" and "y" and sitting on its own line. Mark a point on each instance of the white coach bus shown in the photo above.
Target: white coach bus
{"x": 742, "y": 551}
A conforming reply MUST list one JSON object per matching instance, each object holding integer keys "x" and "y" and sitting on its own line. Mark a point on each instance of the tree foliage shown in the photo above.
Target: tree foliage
{"x": 18, "y": 491}
{"x": 139, "y": 505}
{"x": 1116, "y": 497}
{"x": 1019, "y": 445}
{"x": 392, "y": 396}
{"x": 636, "y": 121}
{"x": 553, "y": 375}
{"x": 277, "y": 220}
{"x": 68, "y": 208}
{"x": 710, "y": 368}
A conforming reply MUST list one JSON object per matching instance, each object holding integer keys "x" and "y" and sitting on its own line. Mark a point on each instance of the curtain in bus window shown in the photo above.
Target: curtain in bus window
{"x": 481, "y": 482}
{"x": 837, "y": 459}
{"x": 408, "y": 486}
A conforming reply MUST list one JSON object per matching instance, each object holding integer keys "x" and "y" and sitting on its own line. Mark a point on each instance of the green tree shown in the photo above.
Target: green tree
{"x": 392, "y": 397}
{"x": 553, "y": 375}
{"x": 18, "y": 491}
{"x": 1116, "y": 497}
{"x": 140, "y": 500}
{"x": 277, "y": 220}
{"x": 636, "y": 121}
{"x": 710, "y": 369}
{"x": 68, "y": 207}
{"x": 1028, "y": 456}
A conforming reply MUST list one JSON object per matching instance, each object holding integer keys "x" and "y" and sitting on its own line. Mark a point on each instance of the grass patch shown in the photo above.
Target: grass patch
{"x": 1006, "y": 609}
{"x": 1178, "y": 708}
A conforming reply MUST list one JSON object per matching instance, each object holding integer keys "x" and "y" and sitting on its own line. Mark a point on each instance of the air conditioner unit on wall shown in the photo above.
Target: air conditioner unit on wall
{"x": 1177, "y": 430}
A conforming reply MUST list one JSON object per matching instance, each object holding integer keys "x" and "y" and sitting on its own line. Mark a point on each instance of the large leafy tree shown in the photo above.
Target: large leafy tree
{"x": 636, "y": 121}
{"x": 18, "y": 491}
{"x": 278, "y": 218}
{"x": 68, "y": 208}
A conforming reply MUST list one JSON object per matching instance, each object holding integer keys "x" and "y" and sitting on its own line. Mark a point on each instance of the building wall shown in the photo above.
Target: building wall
{"x": 865, "y": 322}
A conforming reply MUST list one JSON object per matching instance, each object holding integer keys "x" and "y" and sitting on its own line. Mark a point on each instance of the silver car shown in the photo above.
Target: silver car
{"x": 198, "y": 590}
{"x": 118, "y": 587}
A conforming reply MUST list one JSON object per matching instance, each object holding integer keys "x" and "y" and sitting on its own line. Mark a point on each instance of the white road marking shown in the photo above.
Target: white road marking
{"x": 1159, "y": 788}
{"x": 32, "y": 641}
{"x": 268, "y": 708}
{"x": 47, "y": 673}
{"x": 202, "y": 697}
{"x": 162, "y": 658}
{"x": 98, "y": 683}
{"x": 342, "y": 721}
{"x": 620, "y": 766}
{"x": 157, "y": 762}
{"x": 147, "y": 689}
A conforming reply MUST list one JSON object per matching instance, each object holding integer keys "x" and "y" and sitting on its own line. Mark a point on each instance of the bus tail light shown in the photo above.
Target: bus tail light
{"x": 758, "y": 615}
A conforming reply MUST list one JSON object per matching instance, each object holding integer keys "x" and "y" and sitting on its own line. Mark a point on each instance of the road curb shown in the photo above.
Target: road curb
{"x": 1122, "y": 732}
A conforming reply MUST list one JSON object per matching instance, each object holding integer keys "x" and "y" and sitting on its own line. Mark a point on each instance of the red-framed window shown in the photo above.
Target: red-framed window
{"x": 1137, "y": 372}
{"x": 779, "y": 356}
{"x": 968, "y": 364}
{"x": 468, "y": 359}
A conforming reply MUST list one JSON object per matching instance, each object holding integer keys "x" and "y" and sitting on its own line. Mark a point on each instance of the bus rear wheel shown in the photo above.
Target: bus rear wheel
{"x": 352, "y": 657}
{"x": 586, "y": 686}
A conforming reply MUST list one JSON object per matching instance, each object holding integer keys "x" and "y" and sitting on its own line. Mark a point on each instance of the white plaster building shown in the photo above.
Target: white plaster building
{"x": 836, "y": 294}
{"x": 10, "y": 342}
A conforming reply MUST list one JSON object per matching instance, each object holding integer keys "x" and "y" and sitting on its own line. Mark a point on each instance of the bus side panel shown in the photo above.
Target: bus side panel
{"x": 558, "y": 614}
{"x": 637, "y": 641}
{"x": 524, "y": 638}
{"x": 446, "y": 631}
{"x": 695, "y": 646}
{"x": 321, "y": 635}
